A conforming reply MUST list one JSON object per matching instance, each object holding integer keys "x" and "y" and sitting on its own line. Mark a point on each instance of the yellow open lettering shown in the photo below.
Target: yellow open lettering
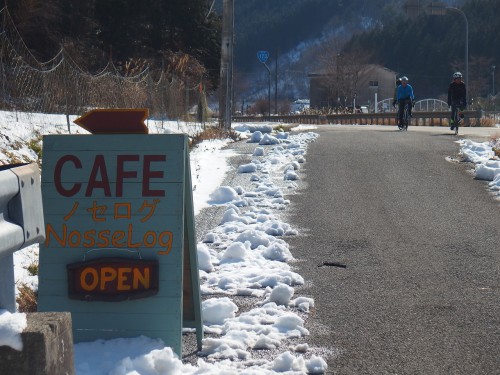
{"x": 123, "y": 277}
{"x": 94, "y": 279}
{"x": 144, "y": 279}
{"x": 108, "y": 274}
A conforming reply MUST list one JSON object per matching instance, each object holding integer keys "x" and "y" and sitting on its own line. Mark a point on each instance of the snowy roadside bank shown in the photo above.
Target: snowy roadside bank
{"x": 254, "y": 322}
{"x": 245, "y": 255}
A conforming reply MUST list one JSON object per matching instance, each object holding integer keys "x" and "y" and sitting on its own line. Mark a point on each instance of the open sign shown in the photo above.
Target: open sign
{"x": 112, "y": 279}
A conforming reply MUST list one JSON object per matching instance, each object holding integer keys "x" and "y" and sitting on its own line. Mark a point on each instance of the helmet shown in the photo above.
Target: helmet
{"x": 457, "y": 75}
{"x": 404, "y": 79}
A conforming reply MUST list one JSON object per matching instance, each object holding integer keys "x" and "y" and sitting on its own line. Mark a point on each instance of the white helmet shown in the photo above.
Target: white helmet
{"x": 457, "y": 75}
{"x": 404, "y": 79}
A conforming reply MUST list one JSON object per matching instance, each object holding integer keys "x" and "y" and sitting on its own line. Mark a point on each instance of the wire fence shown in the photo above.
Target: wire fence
{"x": 60, "y": 86}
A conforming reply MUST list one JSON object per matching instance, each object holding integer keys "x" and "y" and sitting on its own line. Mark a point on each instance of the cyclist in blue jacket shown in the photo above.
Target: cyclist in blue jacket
{"x": 404, "y": 94}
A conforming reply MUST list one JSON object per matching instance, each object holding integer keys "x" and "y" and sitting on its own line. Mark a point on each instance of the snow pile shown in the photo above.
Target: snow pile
{"x": 252, "y": 128}
{"x": 475, "y": 152}
{"x": 246, "y": 249}
{"x": 11, "y": 327}
{"x": 245, "y": 255}
{"x": 205, "y": 173}
{"x": 149, "y": 357}
{"x": 487, "y": 165}
{"x": 488, "y": 170}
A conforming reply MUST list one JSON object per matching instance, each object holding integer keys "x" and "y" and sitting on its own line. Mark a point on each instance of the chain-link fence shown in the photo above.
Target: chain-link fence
{"x": 60, "y": 86}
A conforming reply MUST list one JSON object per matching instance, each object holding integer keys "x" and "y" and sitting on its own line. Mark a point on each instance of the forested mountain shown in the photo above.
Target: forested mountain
{"x": 302, "y": 34}
{"x": 296, "y": 33}
{"x": 429, "y": 48}
{"x": 133, "y": 34}
{"x": 276, "y": 25}
{"x": 426, "y": 48}
{"x": 299, "y": 34}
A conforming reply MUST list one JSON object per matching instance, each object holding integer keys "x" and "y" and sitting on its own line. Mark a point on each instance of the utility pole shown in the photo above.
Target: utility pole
{"x": 263, "y": 56}
{"x": 226, "y": 66}
{"x": 276, "y": 82}
{"x": 493, "y": 80}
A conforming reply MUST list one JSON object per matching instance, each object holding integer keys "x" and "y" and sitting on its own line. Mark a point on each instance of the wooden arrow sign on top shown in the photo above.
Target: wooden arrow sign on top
{"x": 115, "y": 121}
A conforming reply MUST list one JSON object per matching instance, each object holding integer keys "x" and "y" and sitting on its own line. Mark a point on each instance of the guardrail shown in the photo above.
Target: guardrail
{"x": 472, "y": 118}
{"x": 21, "y": 222}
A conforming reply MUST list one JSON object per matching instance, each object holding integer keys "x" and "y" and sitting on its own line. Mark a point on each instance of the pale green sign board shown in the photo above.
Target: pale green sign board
{"x": 128, "y": 197}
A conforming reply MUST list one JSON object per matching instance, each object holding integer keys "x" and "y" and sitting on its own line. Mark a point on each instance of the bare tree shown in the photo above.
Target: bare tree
{"x": 241, "y": 86}
{"x": 341, "y": 72}
{"x": 260, "y": 107}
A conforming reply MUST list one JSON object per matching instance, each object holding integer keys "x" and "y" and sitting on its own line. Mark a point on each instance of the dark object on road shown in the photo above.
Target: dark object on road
{"x": 332, "y": 264}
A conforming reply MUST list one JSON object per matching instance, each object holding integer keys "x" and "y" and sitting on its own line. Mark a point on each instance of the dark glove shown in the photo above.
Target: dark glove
{"x": 449, "y": 104}
{"x": 394, "y": 103}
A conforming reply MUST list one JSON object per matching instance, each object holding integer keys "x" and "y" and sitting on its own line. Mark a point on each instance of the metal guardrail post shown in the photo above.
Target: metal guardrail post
{"x": 21, "y": 222}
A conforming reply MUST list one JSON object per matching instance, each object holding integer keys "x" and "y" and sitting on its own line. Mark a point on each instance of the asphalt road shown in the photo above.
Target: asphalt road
{"x": 420, "y": 238}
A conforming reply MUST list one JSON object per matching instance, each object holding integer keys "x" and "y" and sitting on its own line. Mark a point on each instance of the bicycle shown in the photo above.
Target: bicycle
{"x": 458, "y": 116}
{"x": 406, "y": 116}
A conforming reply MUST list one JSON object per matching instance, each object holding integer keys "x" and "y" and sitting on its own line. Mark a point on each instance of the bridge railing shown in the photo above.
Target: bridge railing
{"x": 423, "y": 105}
{"x": 420, "y": 118}
{"x": 492, "y": 114}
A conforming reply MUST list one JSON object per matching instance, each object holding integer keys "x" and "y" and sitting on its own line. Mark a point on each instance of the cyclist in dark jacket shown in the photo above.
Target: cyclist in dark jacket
{"x": 395, "y": 96}
{"x": 457, "y": 97}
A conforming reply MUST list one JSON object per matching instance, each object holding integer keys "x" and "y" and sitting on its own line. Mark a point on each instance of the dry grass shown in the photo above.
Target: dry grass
{"x": 27, "y": 299}
{"x": 212, "y": 133}
{"x": 32, "y": 268}
{"x": 487, "y": 122}
{"x": 284, "y": 127}
{"x": 495, "y": 142}
{"x": 12, "y": 158}
{"x": 35, "y": 144}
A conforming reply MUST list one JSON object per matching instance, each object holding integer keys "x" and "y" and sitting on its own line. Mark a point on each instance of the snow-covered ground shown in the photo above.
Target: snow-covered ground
{"x": 246, "y": 254}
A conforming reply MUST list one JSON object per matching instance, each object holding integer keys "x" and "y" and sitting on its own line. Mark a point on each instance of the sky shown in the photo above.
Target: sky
{"x": 245, "y": 255}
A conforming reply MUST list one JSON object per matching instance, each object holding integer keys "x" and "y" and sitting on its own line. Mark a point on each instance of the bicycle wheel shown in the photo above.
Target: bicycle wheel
{"x": 459, "y": 118}
{"x": 399, "y": 119}
{"x": 456, "y": 121}
{"x": 406, "y": 117}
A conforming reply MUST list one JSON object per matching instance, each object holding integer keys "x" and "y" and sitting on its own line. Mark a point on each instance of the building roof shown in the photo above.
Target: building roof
{"x": 326, "y": 73}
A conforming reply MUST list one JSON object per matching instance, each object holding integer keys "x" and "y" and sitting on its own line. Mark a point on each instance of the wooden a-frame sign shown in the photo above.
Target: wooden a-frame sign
{"x": 120, "y": 251}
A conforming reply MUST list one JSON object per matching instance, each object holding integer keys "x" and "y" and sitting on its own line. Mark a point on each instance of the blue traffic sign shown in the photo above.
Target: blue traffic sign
{"x": 263, "y": 56}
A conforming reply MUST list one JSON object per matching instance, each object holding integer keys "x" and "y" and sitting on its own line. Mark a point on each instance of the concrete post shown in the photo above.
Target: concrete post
{"x": 47, "y": 347}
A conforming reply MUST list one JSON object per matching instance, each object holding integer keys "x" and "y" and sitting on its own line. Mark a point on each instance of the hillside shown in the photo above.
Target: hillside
{"x": 132, "y": 34}
{"x": 301, "y": 32}
{"x": 300, "y": 35}
{"x": 429, "y": 49}
{"x": 283, "y": 25}
{"x": 295, "y": 33}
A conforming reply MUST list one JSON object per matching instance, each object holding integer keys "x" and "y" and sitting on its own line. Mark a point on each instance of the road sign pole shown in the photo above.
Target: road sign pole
{"x": 263, "y": 56}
